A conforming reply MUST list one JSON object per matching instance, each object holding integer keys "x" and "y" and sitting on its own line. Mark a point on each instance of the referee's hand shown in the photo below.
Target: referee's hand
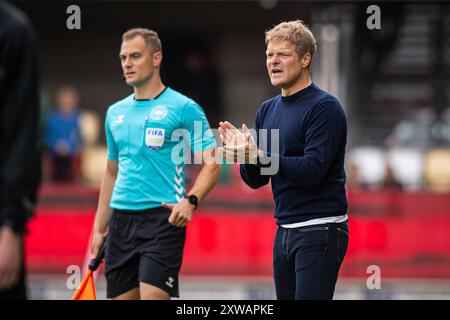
{"x": 97, "y": 242}
{"x": 181, "y": 213}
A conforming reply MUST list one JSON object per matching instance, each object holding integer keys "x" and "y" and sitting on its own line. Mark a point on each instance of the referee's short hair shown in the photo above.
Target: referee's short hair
{"x": 295, "y": 32}
{"x": 151, "y": 38}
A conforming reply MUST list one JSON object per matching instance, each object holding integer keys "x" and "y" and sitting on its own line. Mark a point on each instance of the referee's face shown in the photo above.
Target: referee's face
{"x": 138, "y": 62}
{"x": 283, "y": 64}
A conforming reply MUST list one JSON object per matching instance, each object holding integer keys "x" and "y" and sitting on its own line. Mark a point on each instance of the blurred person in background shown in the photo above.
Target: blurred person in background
{"x": 19, "y": 144}
{"x": 354, "y": 176}
{"x": 390, "y": 181}
{"x": 62, "y": 134}
{"x": 309, "y": 185}
{"x": 143, "y": 205}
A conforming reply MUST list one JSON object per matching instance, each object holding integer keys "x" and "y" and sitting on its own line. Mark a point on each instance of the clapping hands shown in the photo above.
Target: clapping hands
{"x": 239, "y": 146}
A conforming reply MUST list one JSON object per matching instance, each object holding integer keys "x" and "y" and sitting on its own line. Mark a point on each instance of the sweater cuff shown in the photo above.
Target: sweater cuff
{"x": 15, "y": 216}
{"x": 264, "y": 159}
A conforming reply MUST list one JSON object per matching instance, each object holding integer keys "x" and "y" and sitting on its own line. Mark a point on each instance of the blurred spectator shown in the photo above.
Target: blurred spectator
{"x": 372, "y": 167}
{"x": 368, "y": 164}
{"x": 406, "y": 166}
{"x": 390, "y": 182}
{"x": 353, "y": 176}
{"x": 412, "y": 138}
{"x": 63, "y": 135}
{"x": 19, "y": 145}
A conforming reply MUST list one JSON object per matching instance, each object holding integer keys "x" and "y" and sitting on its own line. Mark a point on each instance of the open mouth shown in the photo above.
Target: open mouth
{"x": 276, "y": 71}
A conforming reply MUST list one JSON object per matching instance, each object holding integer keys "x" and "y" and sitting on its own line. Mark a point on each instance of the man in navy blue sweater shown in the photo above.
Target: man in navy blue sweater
{"x": 309, "y": 181}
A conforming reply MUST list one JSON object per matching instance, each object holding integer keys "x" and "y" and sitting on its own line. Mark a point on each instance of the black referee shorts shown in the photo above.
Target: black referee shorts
{"x": 143, "y": 247}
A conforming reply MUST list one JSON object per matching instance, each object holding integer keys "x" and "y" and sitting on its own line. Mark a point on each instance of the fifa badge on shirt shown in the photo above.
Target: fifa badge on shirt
{"x": 154, "y": 138}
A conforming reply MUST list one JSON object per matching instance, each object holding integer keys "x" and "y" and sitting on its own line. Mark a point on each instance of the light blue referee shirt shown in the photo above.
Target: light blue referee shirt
{"x": 151, "y": 139}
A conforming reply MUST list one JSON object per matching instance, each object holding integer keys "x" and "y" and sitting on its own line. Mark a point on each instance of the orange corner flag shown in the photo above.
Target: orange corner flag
{"x": 86, "y": 291}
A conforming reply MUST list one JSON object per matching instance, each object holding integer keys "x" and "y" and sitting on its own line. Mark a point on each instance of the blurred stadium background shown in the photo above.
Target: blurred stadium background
{"x": 394, "y": 86}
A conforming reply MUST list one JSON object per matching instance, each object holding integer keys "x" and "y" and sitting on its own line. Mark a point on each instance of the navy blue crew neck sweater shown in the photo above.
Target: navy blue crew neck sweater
{"x": 310, "y": 181}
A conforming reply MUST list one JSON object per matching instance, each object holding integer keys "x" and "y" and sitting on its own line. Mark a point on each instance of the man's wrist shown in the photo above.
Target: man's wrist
{"x": 6, "y": 230}
{"x": 100, "y": 229}
{"x": 12, "y": 226}
{"x": 253, "y": 157}
{"x": 192, "y": 200}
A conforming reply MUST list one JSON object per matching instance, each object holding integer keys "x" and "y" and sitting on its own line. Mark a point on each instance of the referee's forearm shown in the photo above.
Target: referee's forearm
{"x": 104, "y": 211}
{"x": 206, "y": 180}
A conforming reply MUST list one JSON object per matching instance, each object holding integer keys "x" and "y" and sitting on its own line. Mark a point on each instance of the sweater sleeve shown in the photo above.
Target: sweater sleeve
{"x": 20, "y": 145}
{"x": 325, "y": 134}
{"x": 250, "y": 173}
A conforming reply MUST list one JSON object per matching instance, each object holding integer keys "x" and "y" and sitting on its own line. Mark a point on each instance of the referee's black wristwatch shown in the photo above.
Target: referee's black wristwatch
{"x": 193, "y": 199}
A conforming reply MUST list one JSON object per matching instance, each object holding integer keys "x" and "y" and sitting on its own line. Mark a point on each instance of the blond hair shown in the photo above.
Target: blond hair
{"x": 151, "y": 38}
{"x": 295, "y": 32}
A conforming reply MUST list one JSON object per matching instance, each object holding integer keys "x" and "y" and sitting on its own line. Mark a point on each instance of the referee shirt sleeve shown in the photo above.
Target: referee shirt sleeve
{"x": 195, "y": 121}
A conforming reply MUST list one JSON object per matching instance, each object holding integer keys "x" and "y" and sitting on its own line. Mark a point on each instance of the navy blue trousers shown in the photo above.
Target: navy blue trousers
{"x": 306, "y": 260}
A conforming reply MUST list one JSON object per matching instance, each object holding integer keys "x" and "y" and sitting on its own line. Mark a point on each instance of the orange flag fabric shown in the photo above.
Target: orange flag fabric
{"x": 86, "y": 291}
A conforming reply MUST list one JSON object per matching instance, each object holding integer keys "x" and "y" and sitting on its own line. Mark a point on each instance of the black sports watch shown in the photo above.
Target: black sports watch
{"x": 192, "y": 198}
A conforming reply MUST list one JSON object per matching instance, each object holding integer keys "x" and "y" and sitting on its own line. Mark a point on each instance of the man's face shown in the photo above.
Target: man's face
{"x": 283, "y": 64}
{"x": 138, "y": 62}
{"x": 67, "y": 102}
